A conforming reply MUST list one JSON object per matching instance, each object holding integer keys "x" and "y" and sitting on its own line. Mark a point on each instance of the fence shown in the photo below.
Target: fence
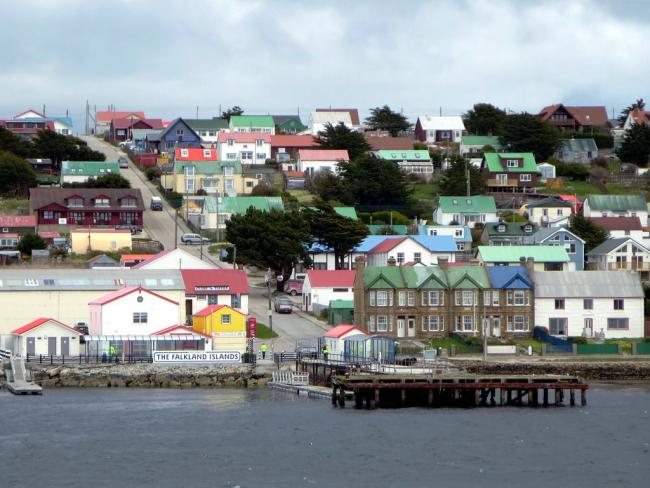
{"x": 589, "y": 349}
{"x": 641, "y": 348}
{"x": 247, "y": 358}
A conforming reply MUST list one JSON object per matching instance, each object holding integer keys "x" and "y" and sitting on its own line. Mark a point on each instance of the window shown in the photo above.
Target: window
{"x": 559, "y": 304}
{"x": 520, "y": 297}
{"x": 207, "y": 153}
{"x": 402, "y": 298}
{"x": 382, "y": 323}
{"x": 618, "y": 324}
{"x": 372, "y": 298}
{"x": 465, "y": 298}
{"x": 128, "y": 202}
{"x": 101, "y": 218}
{"x": 190, "y": 170}
{"x": 75, "y": 217}
{"x": 384, "y": 298}
{"x": 400, "y": 258}
{"x": 231, "y": 156}
{"x": 185, "y": 153}
{"x": 557, "y": 326}
{"x": 570, "y": 247}
{"x": 495, "y": 298}
{"x": 619, "y": 304}
{"x": 588, "y": 304}
{"x": 512, "y": 163}
{"x": 371, "y": 323}
{"x": 140, "y": 317}
{"x": 128, "y": 218}
{"x": 465, "y": 323}
{"x": 102, "y": 202}
{"x": 432, "y": 323}
{"x": 230, "y": 185}
{"x": 417, "y": 257}
{"x": 517, "y": 323}
{"x": 458, "y": 233}
{"x": 340, "y": 290}
{"x": 259, "y": 142}
{"x": 180, "y": 132}
{"x": 231, "y": 142}
{"x": 209, "y": 182}
{"x": 525, "y": 177}
{"x": 261, "y": 156}
{"x": 246, "y": 155}
{"x": 189, "y": 186}
{"x": 225, "y": 319}
{"x": 75, "y": 202}
{"x": 487, "y": 298}
{"x": 229, "y": 171}
{"x": 250, "y": 184}
{"x": 410, "y": 298}
{"x": 559, "y": 211}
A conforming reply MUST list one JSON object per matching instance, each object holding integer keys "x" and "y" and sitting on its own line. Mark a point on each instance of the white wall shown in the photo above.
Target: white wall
{"x": 589, "y": 213}
{"x": 179, "y": 259}
{"x": 116, "y": 317}
{"x": 323, "y": 295}
{"x": 603, "y": 309}
{"x": 315, "y": 166}
{"x": 198, "y": 305}
{"x": 443, "y": 218}
{"x": 225, "y": 151}
{"x": 555, "y": 218}
{"x": 45, "y": 331}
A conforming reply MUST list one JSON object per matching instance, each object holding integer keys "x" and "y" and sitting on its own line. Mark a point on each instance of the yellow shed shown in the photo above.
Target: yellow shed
{"x": 84, "y": 240}
{"x": 220, "y": 320}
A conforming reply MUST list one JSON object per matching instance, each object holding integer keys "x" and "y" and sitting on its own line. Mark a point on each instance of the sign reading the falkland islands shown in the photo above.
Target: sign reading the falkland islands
{"x": 197, "y": 357}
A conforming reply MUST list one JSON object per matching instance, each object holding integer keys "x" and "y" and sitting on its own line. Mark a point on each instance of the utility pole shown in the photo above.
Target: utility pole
{"x": 175, "y": 228}
{"x": 467, "y": 178}
{"x": 268, "y": 288}
{"x": 197, "y": 112}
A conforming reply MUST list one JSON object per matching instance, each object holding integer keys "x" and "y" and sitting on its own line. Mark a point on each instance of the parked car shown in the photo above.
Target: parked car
{"x": 293, "y": 287}
{"x": 156, "y": 203}
{"x": 283, "y": 305}
{"x": 123, "y": 162}
{"x": 193, "y": 239}
{"x": 134, "y": 230}
{"x": 306, "y": 348}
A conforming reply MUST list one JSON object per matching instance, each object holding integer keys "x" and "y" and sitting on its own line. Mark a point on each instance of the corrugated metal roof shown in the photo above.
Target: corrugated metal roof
{"x": 610, "y": 244}
{"x": 579, "y": 145}
{"x": 510, "y": 277}
{"x": 577, "y": 284}
{"x": 543, "y": 234}
{"x": 434, "y": 122}
{"x": 496, "y": 162}
{"x": 323, "y": 155}
{"x": 89, "y": 168}
{"x": 251, "y": 121}
{"x": 482, "y": 141}
{"x": 239, "y": 205}
{"x": 617, "y": 203}
{"x": 404, "y": 155}
{"x": 468, "y": 205}
{"x": 512, "y": 254}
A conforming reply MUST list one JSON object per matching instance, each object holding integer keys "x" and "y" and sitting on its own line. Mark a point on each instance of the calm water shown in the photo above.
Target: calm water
{"x": 227, "y": 438}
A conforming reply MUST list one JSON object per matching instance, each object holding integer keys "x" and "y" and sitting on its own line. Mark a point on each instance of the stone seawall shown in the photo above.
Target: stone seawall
{"x": 147, "y": 376}
{"x": 593, "y": 370}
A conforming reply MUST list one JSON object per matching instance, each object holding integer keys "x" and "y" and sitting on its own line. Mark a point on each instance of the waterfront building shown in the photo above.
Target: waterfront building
{"x": 226, "y": 326}
{"x": 47, "y": 337}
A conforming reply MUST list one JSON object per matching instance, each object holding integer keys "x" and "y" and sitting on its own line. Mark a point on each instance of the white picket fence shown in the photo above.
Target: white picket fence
{"x": 292, "y": 378}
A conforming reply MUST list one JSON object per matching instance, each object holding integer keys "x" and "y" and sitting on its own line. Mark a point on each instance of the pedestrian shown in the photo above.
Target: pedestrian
{"x": 263, "y": 349}
{"x": 325, "y": 351}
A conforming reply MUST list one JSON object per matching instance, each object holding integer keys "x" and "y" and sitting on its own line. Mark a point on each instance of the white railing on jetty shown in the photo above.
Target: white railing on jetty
{"x": 293, "y": 378}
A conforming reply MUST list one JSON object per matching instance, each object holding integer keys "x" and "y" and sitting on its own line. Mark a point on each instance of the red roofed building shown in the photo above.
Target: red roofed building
{"x": 195, "y": 154}
{"x": 322, "y": 286}
{"x": 205, "y": 287}
{"x": 27, "y": 129}
{"x": 383, "y": 141}
{"x": 623, "y": 227}
{"x": 313, "y": 160}
{"x": 103, "y": 119}
{"x": 47, "y": 337}
{"x": 574, "y": 119}
{"x": 285, "y": 148}
{"x": 122, "y": 129}
{"x": 334, "y": 338}
{"x": 20, "y": 224}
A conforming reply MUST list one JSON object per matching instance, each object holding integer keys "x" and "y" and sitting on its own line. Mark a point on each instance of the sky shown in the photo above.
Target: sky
{"x": 167, "y": 57}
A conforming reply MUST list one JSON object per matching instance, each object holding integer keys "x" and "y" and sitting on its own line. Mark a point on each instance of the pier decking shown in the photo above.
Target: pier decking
{"x": 18, "y": 383}
{"x": 381, "y": 391}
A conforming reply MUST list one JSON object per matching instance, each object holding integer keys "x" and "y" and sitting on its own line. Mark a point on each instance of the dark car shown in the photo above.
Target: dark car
{"x": 133, "y": 229}
{"x": 193, "y": 239}
{"x": 306, "y": 348}
{"x": 283, "y": 305}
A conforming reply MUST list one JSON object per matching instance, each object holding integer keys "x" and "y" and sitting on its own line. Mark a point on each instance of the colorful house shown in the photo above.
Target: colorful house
{"x": 177, "y": 134}
{"x": 417, "y": 162}
{"x": 252, "y": 123}
{"x": 510, "y": 172}
{"x": 475, "y": 144}
{"x": 226, "y": 207}
{"x": 82, "y": 171}
{"x": 222, "y": 177}
{"x": 545, "y": 258}
{"x": 224, "y": 324}
{"x": 466, "y": 211}
{"x": 289, "y": 124}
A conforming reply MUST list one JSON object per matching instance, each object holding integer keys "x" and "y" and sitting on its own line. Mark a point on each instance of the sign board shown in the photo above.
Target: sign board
{"x": 252, "y": 326}
{"x": 63, "y": 221}
{"x": 502, "y": 349}
{"x": 197, "y": 357}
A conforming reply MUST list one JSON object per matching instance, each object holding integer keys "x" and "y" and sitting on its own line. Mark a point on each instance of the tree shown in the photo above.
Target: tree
{"x": 31, "y": 241}
{"x": 109, "y": 180}
{"x": 10, "y": 142}
{"x": 527, "y": 133}
{"x": 263, "y": 189}
{"x": 375, "y": 181}
{"x": 454, "y": 181}
{"x": 383, "y": 118}
{"x": 335, "y": 232}
{"x": 330, "y": 187}
{"x": 342, "y": 137}
{"x": 57, "y": 147}
{"x": 236, "y": 110}
{"x": 591, "y": 233}
{"x": 484, "y": 119}
{"x": 275, "y": 239}
{"x": 16, "y": 175}
{"x": 635, "y": 147}
{"x": 639, "y": 103}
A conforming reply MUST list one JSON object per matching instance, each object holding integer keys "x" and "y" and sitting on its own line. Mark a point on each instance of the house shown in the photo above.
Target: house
{"x": 288, "y": 124}
{"x": 433, "y": 302}
{"x": 86, "y": 206}
{"x": 546, "y": 172}
{"x": 284, "y": 148}
{"x": 103, "y": 119}
{"x": 220, "y": 177}
{"x": 380, "y": 141}
{"x": 580, "y": 151}
{"x": 432, "y": 129}
{"x": 82, "y": 171}
{"x": 335, "y": 338}
{"x": 427, "y": 250}
{"x": 195, "y": 154}
{"x": 47, "y": 337}
{"x": 411, "y": 161}
{"x": 352, "y": 112}
{"x": 507, "y": 233}
{"x": 616, "y": 206}
{"x": 83, "y": 241}
{"x": 321, "y": 287}
{"x": 26, "y": 129}
{"x": 205, "y": 287}
{"x": 545, "y": 258}
{"x": 623, "y": 227}
{"x": 222, "y": 208}
{"x": 132, "y": 310}
{"x": 475, "y": 144}
{"x": 466, "y": 211}
{"x": 177, "y": 134}
{"x": 321, "y": 118}
{"x": 461, "y": 234}
{"x": 63, "y": 294}
{"x": 293, "y": 180}
{"x": 563, "y": 237}
{"x": 510, "y": 172}
{"x": 252, "y": 123}
{"x": 311, "y": 161}
{"x": 254, "y": 174}
{"x": 62, "y": 125}
{"x": 246, "y": 147}
{"x": 171, "y": 259}
{"x": 573, "y": 200}
{"x": 602, "y": 304}
{"x": 42, "y": 165}
{"x": 130, "y": 260}
{"x": 224, "y": 324}
{"x": 574, "y": 118}
{"x": 208, "y": 129}
{"x": 122, "y": 129}
{"x": 547, "y": 212}
{"x": 621, "y": 254}
{"x": 17, "y": 224}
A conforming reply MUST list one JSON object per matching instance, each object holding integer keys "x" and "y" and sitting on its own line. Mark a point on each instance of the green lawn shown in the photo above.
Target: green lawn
{"x": 11, "y": 206}
{"x": 263, "y": 332}
{"x": 580, "y": 188}
{"x": 303, "y": 196}
{"x": 476, "y": 347}
{"x": 425, "y": 191}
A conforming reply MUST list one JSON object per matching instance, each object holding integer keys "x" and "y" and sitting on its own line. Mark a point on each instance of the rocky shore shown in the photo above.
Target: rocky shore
{"x": 147, "y": 376}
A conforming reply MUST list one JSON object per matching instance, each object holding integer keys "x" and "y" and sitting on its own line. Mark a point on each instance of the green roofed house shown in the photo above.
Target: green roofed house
{"x": 389, "y": 230}
{"x": 82, "y": 171}
{"x": 208, "y": 129}
{"x": 348, "y": 212}
{"x": 507, "y": 233}
{"x": 252, "y": 123}
{"x": 222, "y": 208}
{"x": 467, "y": 211}
{"x": 475, "y": 144}
{"x": 510, "y": 172}
{"x": 545, "y": 258}
{"x": 340, "y": 312}
{"x": 289, "y": 124}
{"x": 224, "y": 177}
{"x": 411, "y": 161}
{"x": 616, "y": 206}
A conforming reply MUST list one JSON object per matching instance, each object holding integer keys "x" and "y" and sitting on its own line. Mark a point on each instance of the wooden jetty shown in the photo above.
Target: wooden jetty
{"x": 18, "y": 383}
{"x": 383, "y": 391}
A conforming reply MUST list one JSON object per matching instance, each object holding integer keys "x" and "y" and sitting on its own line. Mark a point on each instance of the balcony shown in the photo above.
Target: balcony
{"x": 629, "y": 266}
{"x": 508, "y": 182}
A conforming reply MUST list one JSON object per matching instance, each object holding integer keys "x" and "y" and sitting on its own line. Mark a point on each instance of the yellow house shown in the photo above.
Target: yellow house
{"x": 84, "y": 240}
{"x": 223, "y": 177}
{"x": 226, "y": 325}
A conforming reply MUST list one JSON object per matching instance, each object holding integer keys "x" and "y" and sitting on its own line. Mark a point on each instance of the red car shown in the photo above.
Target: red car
{"x": 293, "y": 287}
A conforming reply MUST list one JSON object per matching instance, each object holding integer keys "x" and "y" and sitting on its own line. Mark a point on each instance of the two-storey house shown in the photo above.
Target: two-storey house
{"x": 575, "y": 118}
{"x": 433, "y": 129}
{"x": 462, "y": 234}
{"x": 177, "y": 134}
{"x": 262, "y": 124}
{"x": 616, "y": 206}
{"x": 208, "y": 129}
{"x": 547, "y": 212}
{"x": 466, "y": 211}
{"x": 510, "y": 172}
{"x": 507, "y": 233}
{"x": 214, "y": 177}
{"x": 563, "y": 237}
{"x": 416, "y": 162}
{"x": 246, "y": 147}
{"x": 621, "y": 254}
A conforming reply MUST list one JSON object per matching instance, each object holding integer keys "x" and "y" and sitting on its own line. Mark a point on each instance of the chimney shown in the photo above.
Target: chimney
{"x": 522, "y": 261}
{"x": 391, "y": 261}
{"x": 443, "y": 263}
{"x": 530, "y": 267}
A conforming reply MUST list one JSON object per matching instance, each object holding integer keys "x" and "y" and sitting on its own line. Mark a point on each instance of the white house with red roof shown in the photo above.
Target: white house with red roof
{"x": 409, "y": 249}
{"x": 45, "y": 336}
{"x": 322, "y": 286}
{"x": 313, "y": 160}
{"x": 247, "y": 147}
{"x": 205, "y": 287}
{"x": 133, "y": 311}
{"x": 335, "y": 337}
{"x": 174, "y": 259}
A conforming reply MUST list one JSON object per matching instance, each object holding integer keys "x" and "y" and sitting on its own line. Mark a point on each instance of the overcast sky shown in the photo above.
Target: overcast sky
{"x": 168, "y": 56}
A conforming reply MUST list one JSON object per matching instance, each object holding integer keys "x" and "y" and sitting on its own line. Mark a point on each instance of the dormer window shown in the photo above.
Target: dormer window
{"x": 528, "y": 228}
{"x": 501, "y": 228}
{"x": 259, "y": 142}
{"x": 454, "y": 202}
{"x": 180, "y": 132}
{"x": 102, "y": 202}
{"x": 185, "y": 153}
{"x": 231, "y": 142}
{"x": 393, "y": 155}
{"x": 189, "y": 170}
{"x": 75, "y": 202}
{"x": 417, "y": 155}
{"x": 512, "y": 163}
{"x": 207, "y": 153}
{"x": 128, "y": 202}
{"x": 468, "y": 201}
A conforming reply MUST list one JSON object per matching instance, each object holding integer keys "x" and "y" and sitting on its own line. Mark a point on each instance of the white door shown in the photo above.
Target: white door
{"x": 411, "y": 327}
{"x": 589, "y": 328}
{"x": 400, "y": 327}
{"x": 486, "y": 327}
{"x": 496, "y": 327}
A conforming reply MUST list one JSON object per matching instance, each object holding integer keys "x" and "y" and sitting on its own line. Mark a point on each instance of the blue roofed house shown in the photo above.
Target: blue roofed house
{"x": 509, "y": 305}
{"x": 563, "y": 237}
{"x": 178, "y": 134}
{"x": 462, "y": 234}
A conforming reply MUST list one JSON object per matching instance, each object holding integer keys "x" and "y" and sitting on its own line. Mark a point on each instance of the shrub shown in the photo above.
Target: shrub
{"x": 31, "y": 241}
{"x": 398, "y": 218}
{"x": 153, "y": 173}
{"x": 573, "y": 171}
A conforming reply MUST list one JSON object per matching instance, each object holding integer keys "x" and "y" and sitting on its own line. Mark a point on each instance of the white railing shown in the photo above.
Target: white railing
{"x": 292, "y": 378}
